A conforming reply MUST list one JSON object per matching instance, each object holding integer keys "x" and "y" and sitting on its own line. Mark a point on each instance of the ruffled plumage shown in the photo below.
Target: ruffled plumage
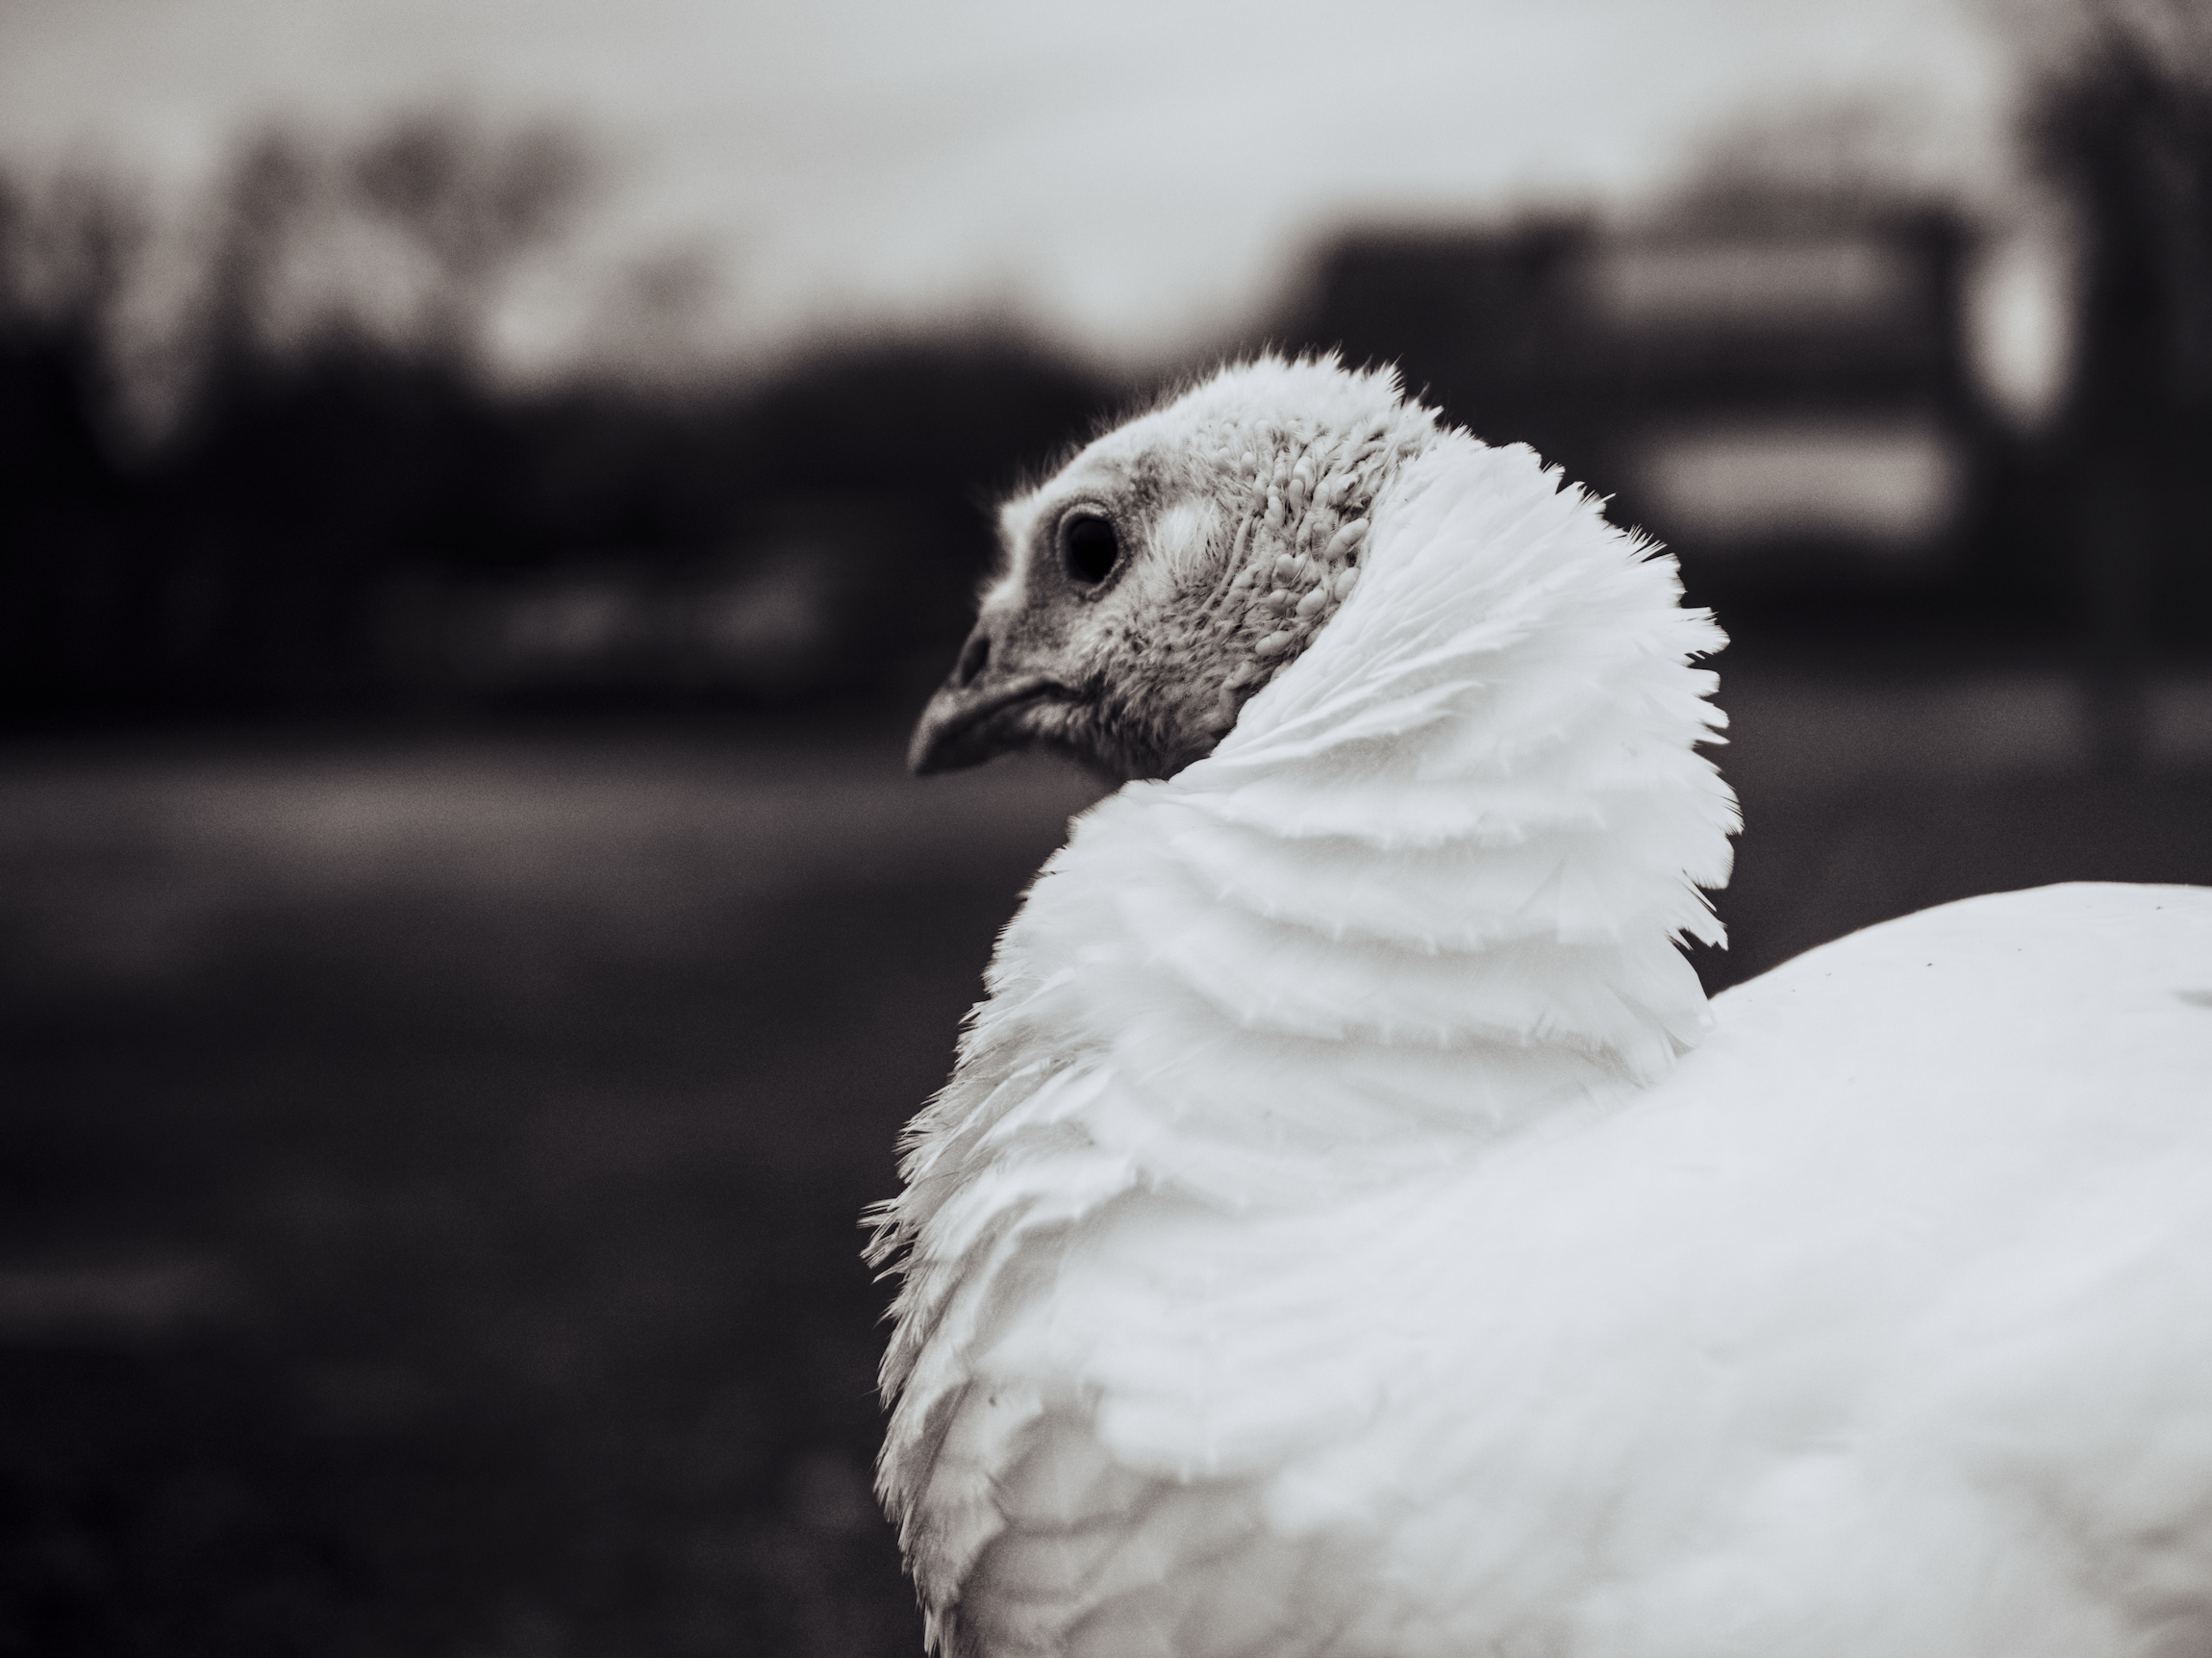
{"x": 1322, "y": 1245}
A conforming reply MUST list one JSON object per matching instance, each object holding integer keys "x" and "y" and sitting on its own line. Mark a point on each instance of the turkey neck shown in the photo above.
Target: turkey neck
{"x": 1428, "y": 892}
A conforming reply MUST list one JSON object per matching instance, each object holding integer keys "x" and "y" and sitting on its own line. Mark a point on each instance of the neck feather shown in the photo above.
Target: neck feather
{"x": 1429, "y": 886}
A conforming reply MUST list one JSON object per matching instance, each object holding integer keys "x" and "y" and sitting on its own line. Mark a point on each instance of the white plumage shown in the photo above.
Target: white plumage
{"x": 1349, "y": 1231}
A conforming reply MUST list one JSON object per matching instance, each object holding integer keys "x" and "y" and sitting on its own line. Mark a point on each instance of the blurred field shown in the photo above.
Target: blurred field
{"x": 431, "y": 1161}
{"x": 434, "y": 1172}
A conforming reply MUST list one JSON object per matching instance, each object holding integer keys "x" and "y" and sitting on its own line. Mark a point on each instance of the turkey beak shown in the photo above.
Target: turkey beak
{"x": 977, "y": 713}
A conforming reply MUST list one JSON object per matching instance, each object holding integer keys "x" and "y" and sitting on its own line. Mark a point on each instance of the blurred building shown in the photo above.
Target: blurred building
{"x": 1778, "y": 401}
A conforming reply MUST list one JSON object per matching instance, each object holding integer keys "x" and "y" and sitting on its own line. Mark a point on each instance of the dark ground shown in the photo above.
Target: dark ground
{"x": 432, "y": 1160}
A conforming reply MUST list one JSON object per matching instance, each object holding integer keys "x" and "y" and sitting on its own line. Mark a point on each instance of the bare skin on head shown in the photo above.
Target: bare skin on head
{"x": 1164, "y": 576}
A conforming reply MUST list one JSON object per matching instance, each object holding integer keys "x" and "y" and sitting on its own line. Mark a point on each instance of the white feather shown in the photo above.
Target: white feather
{"x": 1324, "y": 1246}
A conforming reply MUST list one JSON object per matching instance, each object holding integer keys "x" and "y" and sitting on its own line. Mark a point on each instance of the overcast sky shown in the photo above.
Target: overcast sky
{"x": 1126, "y": 176}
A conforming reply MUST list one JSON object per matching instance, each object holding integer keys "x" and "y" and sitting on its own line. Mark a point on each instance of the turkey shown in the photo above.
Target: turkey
{"x": 1349, "y": 1230}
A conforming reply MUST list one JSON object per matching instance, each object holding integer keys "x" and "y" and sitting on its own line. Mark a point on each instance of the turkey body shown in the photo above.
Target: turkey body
{"x": 1825, "y": 1344}
{"x": 1828, "y": 1343}
{"x": 1349, "y": 1230}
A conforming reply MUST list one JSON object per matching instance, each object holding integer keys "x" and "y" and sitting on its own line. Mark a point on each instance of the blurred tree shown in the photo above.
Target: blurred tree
{"x": 65, "y": 259}
{"x": 67, "y": 575}
{"x": 2124, "y": 126}
{"x": 474, "y": 204}
{"x": 408, "y": 237}
{"x": 270, "y": 187}
{"x": 342, "y": 423}
{"x": 2120, "y": 121}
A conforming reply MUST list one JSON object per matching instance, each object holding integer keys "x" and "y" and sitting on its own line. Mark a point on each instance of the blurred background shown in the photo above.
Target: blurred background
{"x": 485, "y": 489}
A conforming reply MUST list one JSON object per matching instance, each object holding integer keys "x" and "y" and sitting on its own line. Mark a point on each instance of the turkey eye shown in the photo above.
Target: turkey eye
{"x": 1090, "y": 547}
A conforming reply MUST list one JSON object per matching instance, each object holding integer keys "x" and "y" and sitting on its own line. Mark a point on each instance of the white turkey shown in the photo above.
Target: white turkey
{"x": 1348, "y": 1230}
